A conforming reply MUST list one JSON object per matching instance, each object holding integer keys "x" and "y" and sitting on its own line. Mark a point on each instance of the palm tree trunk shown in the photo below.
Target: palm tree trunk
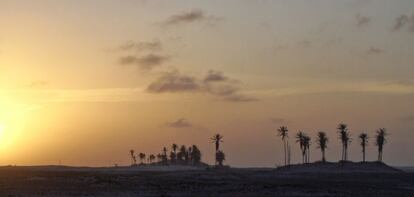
{"x": 323, "y": 156}
{"x": 284, "y": 149}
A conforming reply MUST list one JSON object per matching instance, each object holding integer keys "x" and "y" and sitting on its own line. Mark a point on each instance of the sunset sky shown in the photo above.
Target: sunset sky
{"x": 84, "y": 81}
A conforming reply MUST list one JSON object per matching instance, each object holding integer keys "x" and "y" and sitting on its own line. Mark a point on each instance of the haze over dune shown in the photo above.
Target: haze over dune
{"x": 84, "y": 82}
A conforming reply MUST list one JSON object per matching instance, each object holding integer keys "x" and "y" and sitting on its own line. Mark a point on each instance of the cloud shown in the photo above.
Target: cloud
{"x": 403, "y": 21}
{"x": 362, "y": 21}
{"x": 374, "y": 51}
{"x": 174, "y": 81}
{"x": 214, "y": 83}
{"x": 179, "y": 124}
{"x": 145, "y": 63}
{"x": 240, "y": 98}
{"x": 141, "y": 46}
{"x": 187, "y": 17}
{"x": 214, "y": 76}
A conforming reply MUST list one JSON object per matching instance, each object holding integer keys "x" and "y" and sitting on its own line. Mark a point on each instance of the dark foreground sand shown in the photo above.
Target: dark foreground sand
{"x": 47, "y": 182}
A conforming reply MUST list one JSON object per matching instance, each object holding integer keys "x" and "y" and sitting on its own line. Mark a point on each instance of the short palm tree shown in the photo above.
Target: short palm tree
{"x": 152, "y": 158}
{"x": 345, "y": 138}
{"x": 381, "y": 133}
{"x": 363, "y": 137}
{"x": 142, "y": 157}
{"x": 322, "y": 142}
{"x": 283, "y": 133}
{"x": 133, "y": 158}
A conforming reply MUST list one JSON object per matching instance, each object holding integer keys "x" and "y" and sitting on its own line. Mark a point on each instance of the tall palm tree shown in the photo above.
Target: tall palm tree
{"x": 345, "y": 138}
{"x": 133, "y": 158}
{"x": 322, "y": 142}
{"x": 283, "y": 133}
{"x": 216, "y": 139}
{"x": 381, "y": 133}
{"x": 300, "y": 139}
{"x": 363, "y": 137}
{"x": 306, "y": 144}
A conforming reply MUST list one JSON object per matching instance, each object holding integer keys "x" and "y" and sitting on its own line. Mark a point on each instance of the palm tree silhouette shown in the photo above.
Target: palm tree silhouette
{"x": 283, "y": 132}
{"x": 195, "y": 155}
{"x": 220, "y": 157}
{"x": 142, "y": 157}
{"x": 216, "y": 139}
{"x": 345, "y": 138}
{"x": 151, "y": 158}
{"x": 164, "y": 156}
{"x": 322, "y": 142}
{"x": 300, "y": 139}
{"x": 133, "y": 158}
{"x": 381, "y": 133}
{"x": 363, "y": 137}
{"x": 306, "y": 144}
{"x": 174, "y": 156}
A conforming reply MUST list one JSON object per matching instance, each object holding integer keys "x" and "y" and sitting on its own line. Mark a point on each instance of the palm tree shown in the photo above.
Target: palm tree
{"x": 300, "y": 139}
{"x": 152, "y": 158}
{"x": 181, "y": 153}
{"x": 195, "y": 155}
{"x": 322, "y": 142}
{"x": 220, "y": 157}
{"x": 283, "y": 132}
{"x": 345, "y": 138}
{"x": 133, "y": 158}
{"x": 381, "y": 133}
{"x": 364, "y": 142}
{"x": 164, "y": 157}
{"x": 159, "y": 157}
{"x": 216, "y": 139}
{"x": 174, "y": 148}
{"x": 306, "y": 144}
{"x": 142, "y": 157}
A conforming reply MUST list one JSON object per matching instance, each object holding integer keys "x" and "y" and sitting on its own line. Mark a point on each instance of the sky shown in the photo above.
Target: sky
{"x": 83, "y": 82}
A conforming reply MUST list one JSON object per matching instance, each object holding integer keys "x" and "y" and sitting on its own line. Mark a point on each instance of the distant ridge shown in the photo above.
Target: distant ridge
{"x": 339, "y": 167}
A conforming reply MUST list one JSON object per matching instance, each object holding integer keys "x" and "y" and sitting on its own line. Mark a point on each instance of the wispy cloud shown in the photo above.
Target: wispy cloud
{"x": 362, "y": 21}
{"x": 403, "y": 21}
{"x": 144, "y": 63}
{"x": 374, "y": 51}
{"x": 141, "y": 46}
{"x": 214, "y": 83}
{"x": 179, "y": 124}
{"x": 174, "y": 81}
{"x": 188, "y": 17}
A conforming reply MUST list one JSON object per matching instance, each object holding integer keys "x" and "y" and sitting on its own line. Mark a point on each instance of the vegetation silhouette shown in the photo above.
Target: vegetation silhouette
{"x": 380, "y": 141}
{"x": 283, "y": 133}
{"x": 363, "y": 137}
{"x": 345, "y": 138}
{"x": 191, "y": 155}
{"x": 216, "y": 139}
{"x": 322, "y": 141}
